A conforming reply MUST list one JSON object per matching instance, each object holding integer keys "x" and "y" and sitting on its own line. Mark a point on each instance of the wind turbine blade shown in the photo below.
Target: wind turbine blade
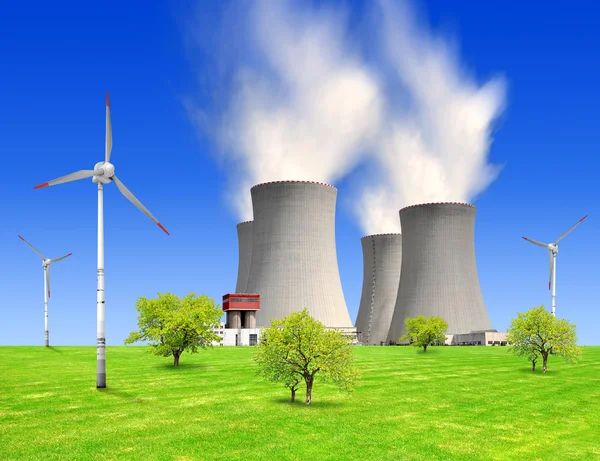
{"x": 127, "y": 193}
{"x": 572, "y": 227}
{"x": 550, "y": 270}
{"x": 62, "y": 257}
{"x": 48, "y": 279}
{"x": 81, "y": 174}
{"x": 536, "y": 243}
{"x": 108, "y": 131}
{"x": 31, "y": 246}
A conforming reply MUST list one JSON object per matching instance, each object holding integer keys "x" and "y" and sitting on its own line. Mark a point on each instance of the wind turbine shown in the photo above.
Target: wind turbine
{"x": 103, "y": 173}
{"x": 553, "y": 250}
{"x": 46, "y": 265}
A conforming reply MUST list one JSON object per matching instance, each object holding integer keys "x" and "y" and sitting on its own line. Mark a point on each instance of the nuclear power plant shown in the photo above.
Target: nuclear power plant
{"x": 382, "y": 260}
{"x": 288, "y": 261}
{"x": 439, "y": 272}
{"x": 294, "y": 258}
{"x": 244, "y": 230}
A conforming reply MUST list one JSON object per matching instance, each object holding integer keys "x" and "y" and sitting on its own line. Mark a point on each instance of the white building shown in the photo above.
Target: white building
{"x": 251, "y": 336}
{"x": 478, "y": 338}
{"x": 237, "y": 336}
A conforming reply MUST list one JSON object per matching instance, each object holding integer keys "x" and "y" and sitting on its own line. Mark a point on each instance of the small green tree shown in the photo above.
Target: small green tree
{"x": 274, "y": 366}
{"x": 535, "y": 333}
{"x": 424, "y": 331}
{"x": 298, "y": 347}
{"x": 174, "y": 325}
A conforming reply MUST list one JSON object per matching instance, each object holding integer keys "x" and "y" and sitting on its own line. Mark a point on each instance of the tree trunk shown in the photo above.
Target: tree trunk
{"x": 176, "y": 356}
{"x": 309, "y": 383}
{"x": 293, "y": 394}
{"x": 545, "y": 357}
{"x": 425, "y": 348}
{"x": 533, "y": 365}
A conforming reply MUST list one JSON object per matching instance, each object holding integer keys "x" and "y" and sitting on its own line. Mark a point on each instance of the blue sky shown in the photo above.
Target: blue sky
{"x": 169, "y": 65}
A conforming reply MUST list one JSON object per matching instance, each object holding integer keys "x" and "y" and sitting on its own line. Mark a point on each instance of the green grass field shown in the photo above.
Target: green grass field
{"x": 452, "y": 403}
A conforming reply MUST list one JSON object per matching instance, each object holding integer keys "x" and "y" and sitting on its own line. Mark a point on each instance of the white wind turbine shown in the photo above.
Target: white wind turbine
{"x": 553, "y": 250}
{"x": 46, "y": 265}
{"x": 103, "y": 173}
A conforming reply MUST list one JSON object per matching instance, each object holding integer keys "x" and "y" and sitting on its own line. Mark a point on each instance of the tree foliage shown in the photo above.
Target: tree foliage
{"x": 173, "y": 325}
{"x": 424, "y": 331}
{"x": 537, "y": 333}
{"x": 298, "y": 347}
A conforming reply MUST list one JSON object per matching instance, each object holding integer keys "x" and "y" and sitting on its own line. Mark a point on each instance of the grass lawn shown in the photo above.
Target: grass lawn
{"x": 452, "y": 403}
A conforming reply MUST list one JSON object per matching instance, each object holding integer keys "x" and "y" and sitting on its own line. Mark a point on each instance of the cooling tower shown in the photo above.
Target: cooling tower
{"x": 382, "y": 258}
{"x": 244, "y": 231}
{"x": 294, "y": 260}
{"x": 439, "y": 273}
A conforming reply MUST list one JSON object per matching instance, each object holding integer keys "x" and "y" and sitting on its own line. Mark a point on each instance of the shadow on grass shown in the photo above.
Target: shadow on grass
{"x": 430, "y": 351}
{"x": 121, "y": 394}
{"x": 182, "y": 366}
{"x": 300, "y": 402}
{"x": 539, "y": 371}
{"x": 287, "y": 401}
{"x": 54, "y": 349}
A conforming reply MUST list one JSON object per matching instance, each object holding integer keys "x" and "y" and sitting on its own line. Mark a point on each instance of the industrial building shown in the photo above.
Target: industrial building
{"x": 478, "y": 338}
{"x": 240, "y": 310}
{"x": 240, "y": 326}
{"x": 382, "y": 260}
{"x": 439, "y": 273}
{"x": 237, "y": 337}
{"x": 294, "y": 259}
{"x": 245, "y": 236}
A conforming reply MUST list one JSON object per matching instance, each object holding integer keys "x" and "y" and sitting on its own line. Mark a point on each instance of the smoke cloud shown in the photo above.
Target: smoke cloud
{"x": 435, "y": 148}
{"x": 305, "y": 105}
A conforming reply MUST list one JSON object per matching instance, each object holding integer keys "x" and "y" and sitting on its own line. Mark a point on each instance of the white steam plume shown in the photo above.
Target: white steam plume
{"x": 307, "y": 107}
{"x": 435, "y": 148}
{"x": 311, "y": 113}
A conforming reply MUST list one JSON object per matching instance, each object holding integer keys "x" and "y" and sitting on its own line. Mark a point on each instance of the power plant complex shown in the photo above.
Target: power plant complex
{"x": 288, "y": 261}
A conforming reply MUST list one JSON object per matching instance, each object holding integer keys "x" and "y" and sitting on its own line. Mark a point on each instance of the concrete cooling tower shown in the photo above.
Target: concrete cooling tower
{"x": 382, "y": 258}
{"x": 439, "y": 273}
{"x": 294, "y": 260}
{"x": 245, "y": 236}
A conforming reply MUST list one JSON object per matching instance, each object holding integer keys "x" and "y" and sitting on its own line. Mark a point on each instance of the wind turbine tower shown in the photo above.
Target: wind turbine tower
{"x": 46, "y": 265}
{"x": 103, "y": 173}
{"x": 553, "y": 251}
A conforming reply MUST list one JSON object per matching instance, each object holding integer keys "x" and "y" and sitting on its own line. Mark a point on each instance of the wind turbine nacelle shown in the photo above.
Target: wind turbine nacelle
{"x": 108, "y": 169}
{"x": 45, "y": 262}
